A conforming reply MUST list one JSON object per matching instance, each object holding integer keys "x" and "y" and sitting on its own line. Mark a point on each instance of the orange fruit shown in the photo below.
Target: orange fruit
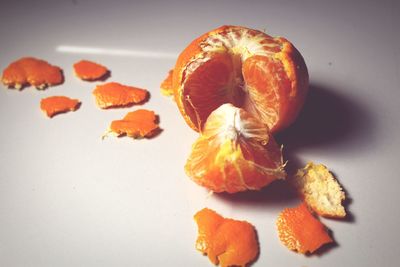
{"x": 226, "y": 241}
{"x": 235, "y": 152}
{"x": 264, "y": 75}
{"x": 137, "y": 124}
{"x": 166, "y": 85}
{"x": 90, "y": 71}
{"x": 300, "y": 231}
{"x": 110, "y": 95}
{"x": 54, "y": 105}
{"x": 31, "y": 71}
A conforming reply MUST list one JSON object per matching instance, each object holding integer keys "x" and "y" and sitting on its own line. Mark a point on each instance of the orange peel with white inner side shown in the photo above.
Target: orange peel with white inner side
{"x": 264, "y": 75}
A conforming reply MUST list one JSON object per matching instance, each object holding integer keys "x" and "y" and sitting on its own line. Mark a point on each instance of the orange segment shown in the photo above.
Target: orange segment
{"x": 54, "y": 105}
{"x": 136, "y": 124}
{"x": 31, "y": 71}
{"x": 90, "y": 71}
{"x": 300, "y": 231}
{"x": 226, "y": 241}
{"x": 234, "y": 153}
{"x": 264, "y": 75}
{"x": 166, "y": 85}
{"x": 114, "y": 94}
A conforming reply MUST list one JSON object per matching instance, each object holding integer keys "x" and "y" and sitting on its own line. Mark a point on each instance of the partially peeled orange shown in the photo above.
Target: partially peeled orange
{"x": 264, "y": 75}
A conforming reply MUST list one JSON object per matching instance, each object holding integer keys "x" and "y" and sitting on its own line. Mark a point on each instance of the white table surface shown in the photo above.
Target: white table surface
{"x": 67, "y": 198}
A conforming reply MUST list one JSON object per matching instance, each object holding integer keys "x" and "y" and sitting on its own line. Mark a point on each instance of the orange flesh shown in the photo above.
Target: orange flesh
{"x": 300, "y": 231}
{"x": 264, "y": 75}
{"x": 114, "y": 94}
{"x": 136, "y": 124}
{"x": 54, "y": 105}
{"x": 89, "y": 71}
{"x": 234, "y": 153}
{"x": 166, "y": 85}
{"x": 226, "y": 241}
{"x": 31, "y": 71}
{"x": 210, "y": 87}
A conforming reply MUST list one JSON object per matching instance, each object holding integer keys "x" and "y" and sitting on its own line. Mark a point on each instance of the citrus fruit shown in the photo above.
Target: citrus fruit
{"x": 320, "y": 190}
{"x": 264, "y": 75}
{"x": 54, "y": 105}
{"x": 90, "y": 71}
{"x": 235, "y": 152}
{"x": 110, "y": 95}
{"x": 166, "y": 85}
{"x": 300, "y": 231}
{"x": 137, "y": 124}
{"x": 226, "y": 242}
{"x": 31, "y": 71}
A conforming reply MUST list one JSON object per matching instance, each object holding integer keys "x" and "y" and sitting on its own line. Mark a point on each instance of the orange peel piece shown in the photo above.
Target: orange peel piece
{"x": 136, "y": 124}
{"x": 300, "y": 231}
{"x": 225, "y": 241}
{"x": 110, "y": 95}
{"x": 90, "y": 71}
{"x": 31, "y": 71}
{"x": 320, "y": 190}
{"x": 54, "y": 105}
{"x": 166, "y": 85}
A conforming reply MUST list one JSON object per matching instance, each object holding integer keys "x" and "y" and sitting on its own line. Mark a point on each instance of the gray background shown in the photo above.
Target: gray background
{"x": 67, "y": 198}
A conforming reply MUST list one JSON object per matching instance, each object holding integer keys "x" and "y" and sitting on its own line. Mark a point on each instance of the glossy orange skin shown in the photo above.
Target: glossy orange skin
{"x": 291, "y": 91}
{"x": 227, "y": 242}
{"x": 137, "y": 124}
{"x": 300, "y": 231}
{"x": 89, "y": 71}
{"x": 54, "y": 105}
{"x": 114, "y": 94}
{"x": 32, "y": 71}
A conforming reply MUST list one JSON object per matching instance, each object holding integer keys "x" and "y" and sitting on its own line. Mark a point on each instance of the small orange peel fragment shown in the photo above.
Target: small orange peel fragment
{"x": 226, "y": 241}
{"x": 54, "y": 105}
{"x": 300, "y": 231}
{"x": 137, "y": 124}
{"x": 90, "y": 71}
{"x": 166, "y": 86}
{"x": 112, "y": 94}
{"x": 31, "y": 71}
